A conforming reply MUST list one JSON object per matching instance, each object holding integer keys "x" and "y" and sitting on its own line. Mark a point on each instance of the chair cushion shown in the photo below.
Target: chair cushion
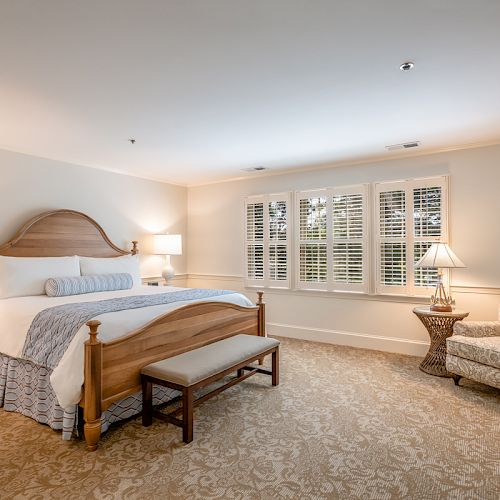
{"x": 473, "y": 370}
{"x": 191, "y": 367}
{"x": 485, "y": 350}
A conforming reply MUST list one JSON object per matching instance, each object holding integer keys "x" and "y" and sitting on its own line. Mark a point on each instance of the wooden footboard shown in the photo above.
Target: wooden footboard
{"x": 112, "y": 369}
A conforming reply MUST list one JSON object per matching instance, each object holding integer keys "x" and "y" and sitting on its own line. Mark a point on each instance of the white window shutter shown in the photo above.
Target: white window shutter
{"x": 332, "y": 242}
{"x": 350, "y": 239}
{"x": 410, "y": 216}
{"x": 267, "y": 240}
{"x": 278, "y": 240}
{"x": 430, "y": 224}
{"x": 254, "y": 239}
{"x": 312, "y": 240}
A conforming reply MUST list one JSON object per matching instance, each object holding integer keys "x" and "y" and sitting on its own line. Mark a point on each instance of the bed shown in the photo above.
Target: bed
{"x": 113, "y": 354}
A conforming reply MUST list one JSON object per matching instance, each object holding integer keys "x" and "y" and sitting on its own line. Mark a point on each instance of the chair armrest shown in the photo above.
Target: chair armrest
{"x": 477, "y": 328}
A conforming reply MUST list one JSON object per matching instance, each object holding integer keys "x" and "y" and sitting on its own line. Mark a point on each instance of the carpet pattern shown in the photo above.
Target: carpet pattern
{"x": 345, "y": 423}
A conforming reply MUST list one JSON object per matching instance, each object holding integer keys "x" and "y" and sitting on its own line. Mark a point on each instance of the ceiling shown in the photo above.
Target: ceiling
{"x": 208, "y": 88}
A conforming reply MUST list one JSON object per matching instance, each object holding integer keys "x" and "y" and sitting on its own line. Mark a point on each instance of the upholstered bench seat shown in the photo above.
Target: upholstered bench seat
{"x": 198, "y": 368}
{"x": 193, "y": 366}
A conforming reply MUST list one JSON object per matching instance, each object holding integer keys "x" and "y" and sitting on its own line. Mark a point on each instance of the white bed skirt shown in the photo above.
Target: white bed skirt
{"x": 25, "y": 388}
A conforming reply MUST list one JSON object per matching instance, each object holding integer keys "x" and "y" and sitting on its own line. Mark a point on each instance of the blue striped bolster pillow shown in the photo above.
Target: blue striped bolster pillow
{"x": 61, "y": 287}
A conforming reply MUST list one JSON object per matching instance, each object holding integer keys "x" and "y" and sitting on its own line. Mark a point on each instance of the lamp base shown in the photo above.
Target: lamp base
{"x": 441, "y": 308}
{"x": 168, "y": 271}
{"x": 440, "y": 301}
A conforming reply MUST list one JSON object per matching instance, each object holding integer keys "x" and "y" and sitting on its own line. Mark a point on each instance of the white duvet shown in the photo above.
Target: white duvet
{"x": 17, "y": 313}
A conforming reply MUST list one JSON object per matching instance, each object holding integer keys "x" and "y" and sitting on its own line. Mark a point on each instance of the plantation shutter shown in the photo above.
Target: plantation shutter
{"x": 430, "y": 224}
{"x": 312, "y": 241}
{"x": 332, "y": 239}
{"x": 267, "y": 240}
{"x": 410, "y": 216}
{"x": 350, "y": 239}
{"x": 255, "y": 240}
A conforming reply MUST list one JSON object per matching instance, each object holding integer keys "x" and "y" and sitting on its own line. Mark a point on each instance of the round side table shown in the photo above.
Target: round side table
{"x": 440, "y": 327}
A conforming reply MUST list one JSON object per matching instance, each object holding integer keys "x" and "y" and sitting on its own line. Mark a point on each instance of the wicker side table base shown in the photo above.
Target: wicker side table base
{"x": 440, "y": 327}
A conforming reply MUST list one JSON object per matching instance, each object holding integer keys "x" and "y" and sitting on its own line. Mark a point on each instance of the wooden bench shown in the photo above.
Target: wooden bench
{"x": 195, "y": 369}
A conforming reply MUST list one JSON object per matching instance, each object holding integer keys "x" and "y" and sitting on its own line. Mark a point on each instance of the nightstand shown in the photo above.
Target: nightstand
{"x": 440, "y": 327}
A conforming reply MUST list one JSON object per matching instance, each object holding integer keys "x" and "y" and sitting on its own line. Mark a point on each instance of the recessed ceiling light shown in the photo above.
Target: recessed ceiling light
{"x": 131, "y": 140}
{"x": 407, "y": 66}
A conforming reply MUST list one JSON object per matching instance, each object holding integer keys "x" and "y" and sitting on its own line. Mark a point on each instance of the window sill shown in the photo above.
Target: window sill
{"x": 406, "y": 299}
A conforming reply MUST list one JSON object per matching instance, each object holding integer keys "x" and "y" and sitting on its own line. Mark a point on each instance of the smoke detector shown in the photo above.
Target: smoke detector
{"x": 254, "y": 169}
{"x": 405, "y": 145}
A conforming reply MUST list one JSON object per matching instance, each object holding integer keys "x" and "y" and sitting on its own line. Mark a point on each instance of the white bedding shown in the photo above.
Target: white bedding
{"x": 67, "y": 378}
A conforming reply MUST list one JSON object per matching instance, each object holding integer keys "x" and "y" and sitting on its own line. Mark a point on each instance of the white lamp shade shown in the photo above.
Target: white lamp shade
{"x": 440, "y": 255}
{"x": 167, "y": 244}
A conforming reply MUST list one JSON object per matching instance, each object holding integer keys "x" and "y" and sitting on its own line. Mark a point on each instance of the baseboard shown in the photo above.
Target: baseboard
{"x": 363, "y": 340}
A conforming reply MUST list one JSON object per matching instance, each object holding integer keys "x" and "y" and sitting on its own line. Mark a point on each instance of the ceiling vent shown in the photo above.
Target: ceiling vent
{"x": 254, "y": 169}
{"x": 405, "y": 145}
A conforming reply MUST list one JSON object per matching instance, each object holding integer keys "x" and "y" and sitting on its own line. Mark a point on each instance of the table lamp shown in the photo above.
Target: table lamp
{"x": 167, "y": 245}
{"x": 440, "y": 256}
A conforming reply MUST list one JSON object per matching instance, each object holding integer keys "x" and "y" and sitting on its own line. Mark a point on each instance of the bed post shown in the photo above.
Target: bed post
{"x": 92, "y": 387}
{"x": 261, "y": 320}
{"x": 134, "y": 250}
{"x": 262, "y": 315}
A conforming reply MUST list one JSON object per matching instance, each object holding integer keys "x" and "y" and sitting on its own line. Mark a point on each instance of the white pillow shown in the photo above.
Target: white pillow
{"x": 111, "y": 265}
{"x": 23, "y": 276}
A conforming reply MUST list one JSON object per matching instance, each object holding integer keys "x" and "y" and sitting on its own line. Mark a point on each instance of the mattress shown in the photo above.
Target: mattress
{"x": 67, "y": 377}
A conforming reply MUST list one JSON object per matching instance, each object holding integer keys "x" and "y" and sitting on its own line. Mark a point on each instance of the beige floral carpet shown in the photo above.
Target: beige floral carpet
{"x": 344, "y": 423}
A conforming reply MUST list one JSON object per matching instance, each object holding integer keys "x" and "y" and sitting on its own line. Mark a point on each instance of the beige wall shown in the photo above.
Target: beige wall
{"x": 216, "y": 251}
{"x": 131, "y": 208}
{"x": 127, "y": 208}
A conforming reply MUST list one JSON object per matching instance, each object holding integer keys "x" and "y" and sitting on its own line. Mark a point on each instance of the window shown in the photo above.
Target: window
{"x": 410, "y": 216}
{"x": 365, "y": 238}
{"x": 332, "y": 239}
{"x": 267, "y": 240}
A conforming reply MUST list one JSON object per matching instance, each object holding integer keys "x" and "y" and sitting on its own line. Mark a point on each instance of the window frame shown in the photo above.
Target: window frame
{"x": 371, "y": 239}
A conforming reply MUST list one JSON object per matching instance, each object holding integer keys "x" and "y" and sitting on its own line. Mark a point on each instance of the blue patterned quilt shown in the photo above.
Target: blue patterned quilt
{"x": 53, "y": 329}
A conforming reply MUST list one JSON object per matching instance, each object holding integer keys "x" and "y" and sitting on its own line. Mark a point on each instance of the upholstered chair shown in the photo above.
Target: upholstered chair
{"x": 473, "y": 352}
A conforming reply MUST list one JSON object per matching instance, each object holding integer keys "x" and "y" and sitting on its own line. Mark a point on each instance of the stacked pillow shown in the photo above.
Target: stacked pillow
{"x": 25, "y": 276}
{"x": 126, "y": 264}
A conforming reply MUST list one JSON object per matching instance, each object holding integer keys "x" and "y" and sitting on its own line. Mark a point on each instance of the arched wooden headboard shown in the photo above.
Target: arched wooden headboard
{"x": 61, "y": 233}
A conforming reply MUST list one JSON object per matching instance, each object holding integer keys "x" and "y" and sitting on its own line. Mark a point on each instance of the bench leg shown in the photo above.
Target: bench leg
{"x": 187, "y": 414}
{"x": 240, "y": 372}
{"x": 147, "y": 402}
{"x": 276, "y": 367}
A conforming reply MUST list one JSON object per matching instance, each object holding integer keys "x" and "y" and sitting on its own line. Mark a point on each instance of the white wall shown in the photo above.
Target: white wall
{"x": 128, "y": 208}
{"x": 216, "y": 249}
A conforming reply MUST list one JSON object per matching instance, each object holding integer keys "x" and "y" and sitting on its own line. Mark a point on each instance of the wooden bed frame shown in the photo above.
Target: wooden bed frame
{"x": 112, "y": 369}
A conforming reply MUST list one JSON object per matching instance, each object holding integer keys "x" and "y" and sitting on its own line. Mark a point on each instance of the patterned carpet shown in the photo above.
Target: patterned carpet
{"x": 344, "y": 423}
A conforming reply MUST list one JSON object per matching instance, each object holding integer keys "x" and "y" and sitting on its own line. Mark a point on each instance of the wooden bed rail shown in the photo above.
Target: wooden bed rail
{"x": 112, "y": 369}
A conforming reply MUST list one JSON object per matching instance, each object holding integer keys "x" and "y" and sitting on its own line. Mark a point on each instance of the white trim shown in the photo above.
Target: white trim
{"x": 217, "y": 277}
{"x": 237, "y": 278}
{"x": 353, "y": 339}
{"x": 484, "y": 290}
